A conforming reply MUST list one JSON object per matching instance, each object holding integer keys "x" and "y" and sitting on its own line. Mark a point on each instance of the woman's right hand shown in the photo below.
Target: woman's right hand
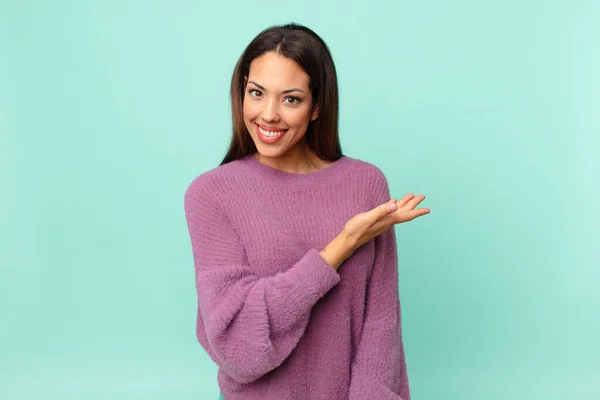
{"x": 369, "y": 224}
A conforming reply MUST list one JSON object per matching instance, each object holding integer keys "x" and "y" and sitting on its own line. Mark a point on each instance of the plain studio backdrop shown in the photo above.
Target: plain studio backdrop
{"x": 108, "y": 110}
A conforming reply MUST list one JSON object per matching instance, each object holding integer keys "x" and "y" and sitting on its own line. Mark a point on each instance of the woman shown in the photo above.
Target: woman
{"x": 293, "y": 242}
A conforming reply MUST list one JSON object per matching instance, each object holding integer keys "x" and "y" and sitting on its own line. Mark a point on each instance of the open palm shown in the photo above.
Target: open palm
{"x": 367, "y": 225}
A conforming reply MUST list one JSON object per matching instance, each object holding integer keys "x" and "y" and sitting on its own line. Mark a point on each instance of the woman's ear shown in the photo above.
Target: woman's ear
{"x": 315, "y": 113}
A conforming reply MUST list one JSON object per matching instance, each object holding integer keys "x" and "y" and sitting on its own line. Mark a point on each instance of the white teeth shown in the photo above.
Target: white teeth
{"x": 270, "y": 134}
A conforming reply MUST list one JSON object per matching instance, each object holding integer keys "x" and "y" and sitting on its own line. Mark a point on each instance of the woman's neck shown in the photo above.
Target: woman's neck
{"x": 302, "y": 161}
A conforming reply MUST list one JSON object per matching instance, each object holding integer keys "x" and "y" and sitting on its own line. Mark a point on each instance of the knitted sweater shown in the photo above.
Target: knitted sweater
{"x": 279, "y": 322}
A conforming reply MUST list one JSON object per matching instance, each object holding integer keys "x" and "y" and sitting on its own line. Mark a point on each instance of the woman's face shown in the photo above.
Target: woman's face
{"x": 277, "y": 104}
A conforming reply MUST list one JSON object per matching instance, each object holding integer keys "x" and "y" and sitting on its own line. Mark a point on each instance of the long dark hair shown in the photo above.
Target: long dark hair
{"x": 306, "y": 48}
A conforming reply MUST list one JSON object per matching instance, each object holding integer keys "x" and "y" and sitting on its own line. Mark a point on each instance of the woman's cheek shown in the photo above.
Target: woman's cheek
{"x": 251, "y": 111}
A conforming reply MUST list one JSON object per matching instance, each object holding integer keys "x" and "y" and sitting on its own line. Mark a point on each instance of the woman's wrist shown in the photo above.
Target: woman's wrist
{"x": 337, "y": 251}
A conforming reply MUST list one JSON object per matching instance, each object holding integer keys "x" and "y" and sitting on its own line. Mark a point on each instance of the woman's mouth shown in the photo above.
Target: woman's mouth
{"x": 269, "y": 135}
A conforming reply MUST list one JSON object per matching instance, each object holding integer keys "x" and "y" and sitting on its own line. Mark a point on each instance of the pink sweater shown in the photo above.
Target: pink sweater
{"x": 272, "y": 314}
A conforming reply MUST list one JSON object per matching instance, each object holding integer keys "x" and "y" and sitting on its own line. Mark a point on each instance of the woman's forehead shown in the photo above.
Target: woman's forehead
{"x": 274, "y": 71}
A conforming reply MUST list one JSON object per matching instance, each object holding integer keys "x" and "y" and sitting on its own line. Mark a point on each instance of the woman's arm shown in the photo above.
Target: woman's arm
{"x": 251, "y": 323}
{"x": 337, "y": 251}
{"x": 379, "y": 367}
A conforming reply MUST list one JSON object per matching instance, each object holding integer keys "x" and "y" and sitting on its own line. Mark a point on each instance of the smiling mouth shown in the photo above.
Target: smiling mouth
{"x": 271, "y": 133}
{"x": 269, "y": 137}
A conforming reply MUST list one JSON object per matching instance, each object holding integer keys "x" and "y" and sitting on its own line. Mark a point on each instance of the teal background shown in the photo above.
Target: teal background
{"x": 108, "y": 109}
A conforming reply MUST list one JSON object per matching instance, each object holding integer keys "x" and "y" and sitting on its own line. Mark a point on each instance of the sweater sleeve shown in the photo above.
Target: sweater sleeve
{"x": 248, "y": 324}
{"x": 379, "y": 368}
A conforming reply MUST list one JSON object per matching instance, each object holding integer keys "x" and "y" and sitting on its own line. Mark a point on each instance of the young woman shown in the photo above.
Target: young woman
{"x": 293, "y": 242}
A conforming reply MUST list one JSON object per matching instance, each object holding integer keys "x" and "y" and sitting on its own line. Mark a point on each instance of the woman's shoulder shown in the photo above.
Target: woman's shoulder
{"x": 365, "y": 166}
{"x": 216, "y": 180}
{"x": 367, "y": 170}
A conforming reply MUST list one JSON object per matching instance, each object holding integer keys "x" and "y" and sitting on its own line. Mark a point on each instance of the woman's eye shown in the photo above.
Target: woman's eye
{"x": 253, "y": 92}
{"x": 294, "y": 100}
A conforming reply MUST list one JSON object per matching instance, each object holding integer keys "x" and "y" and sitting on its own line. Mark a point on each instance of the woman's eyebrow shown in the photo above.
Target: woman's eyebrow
{"x": 285, "y": 91}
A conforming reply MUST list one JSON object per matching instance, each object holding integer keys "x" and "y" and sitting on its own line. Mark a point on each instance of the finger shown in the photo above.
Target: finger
{"x": 383, "y": 209}
{"x": 400, "y": 216}
{"x": 412, "y": 203}
{"x": 418, "y": 213}
{"x": 404, "y": 200}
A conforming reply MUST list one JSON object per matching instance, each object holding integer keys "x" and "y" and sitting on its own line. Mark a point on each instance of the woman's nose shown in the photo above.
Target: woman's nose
{"x": 270, "y": 111}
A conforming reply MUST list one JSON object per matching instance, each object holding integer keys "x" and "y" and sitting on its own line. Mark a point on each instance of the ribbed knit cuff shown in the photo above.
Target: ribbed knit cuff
{"x": 315, "y": 276}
